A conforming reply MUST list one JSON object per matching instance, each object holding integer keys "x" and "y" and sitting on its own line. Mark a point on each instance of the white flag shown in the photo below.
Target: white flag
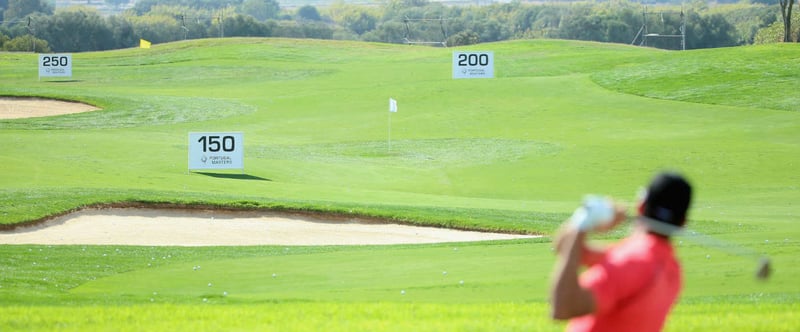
{"x": 392, "y": 105}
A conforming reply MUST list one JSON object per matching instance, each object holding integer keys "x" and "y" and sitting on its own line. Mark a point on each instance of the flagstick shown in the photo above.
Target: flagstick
{"x": 390, "y": 132}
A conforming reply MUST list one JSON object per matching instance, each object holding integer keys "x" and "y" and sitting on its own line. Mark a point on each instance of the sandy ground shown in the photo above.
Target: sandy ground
{"x": 16, "y": 108}
{"x": 153, "y": 227}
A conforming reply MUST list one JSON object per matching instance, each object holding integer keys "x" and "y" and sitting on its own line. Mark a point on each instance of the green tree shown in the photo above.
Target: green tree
{"x": 188, "y": 22}
{"x": 463, "y": 38}
{"x": 786, "y": 15}
{"x": 261, "y": 10}
{"x": 158, "y": 26}
{"x": 359, "y": 21}
{"x": 748, "y": 19}
{"x": 245, "y": 26}
{"x": 77, "y": 29}
{"x": 308, "y": 13}
{"x": 774, "y": 32}
{"x": 3, "y": 39}
{"x": 548, "y": 20}
{"x": 317, "y": 30}
{"x": 292, "y": 29}
{"x": 525, "y": 17}
{"x": 26, "y": 43}
{"x": 708, "y": 31}
{"x": 19, "y": 9}
{"x": 387, "y": 32}
{"x": 122, "y": 32}
{"x": 582, "y": 24}
{"x": 491, "y": 30}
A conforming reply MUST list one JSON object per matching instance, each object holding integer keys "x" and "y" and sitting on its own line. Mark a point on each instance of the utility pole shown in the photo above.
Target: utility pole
{"x": 33, "y": 36}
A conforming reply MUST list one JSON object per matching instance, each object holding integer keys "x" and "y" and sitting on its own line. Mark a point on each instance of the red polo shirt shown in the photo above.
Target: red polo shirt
{"x": 634, "y": 286}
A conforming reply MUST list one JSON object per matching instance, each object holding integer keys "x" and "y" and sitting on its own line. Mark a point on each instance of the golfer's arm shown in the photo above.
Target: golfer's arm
{"x": 592, "y": 254}
{"x": 568, "y": 299}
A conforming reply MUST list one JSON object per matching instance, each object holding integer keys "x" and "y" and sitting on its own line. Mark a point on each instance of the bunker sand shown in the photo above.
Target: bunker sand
{"x": 17, "y": 108}
{"x": 159, "y": 227}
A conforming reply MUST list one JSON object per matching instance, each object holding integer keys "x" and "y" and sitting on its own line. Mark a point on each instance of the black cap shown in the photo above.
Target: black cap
{"x": 668, "y": 198}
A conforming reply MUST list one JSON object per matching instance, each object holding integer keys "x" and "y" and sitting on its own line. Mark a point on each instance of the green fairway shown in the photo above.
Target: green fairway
{"x": 515, "y": 153}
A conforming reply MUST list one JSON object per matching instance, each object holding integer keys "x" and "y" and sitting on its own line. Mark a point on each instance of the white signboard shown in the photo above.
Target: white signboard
{"x": 473, "y": 65}
{"x": 55, "y": 65}
{"x": 216, "y": 151}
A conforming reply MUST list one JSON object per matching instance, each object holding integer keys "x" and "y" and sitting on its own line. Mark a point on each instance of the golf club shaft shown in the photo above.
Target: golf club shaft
{"x": 699, "y": 238}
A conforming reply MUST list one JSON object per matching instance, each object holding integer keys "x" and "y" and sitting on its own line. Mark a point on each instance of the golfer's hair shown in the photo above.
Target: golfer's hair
{"x": 668, "y": 198}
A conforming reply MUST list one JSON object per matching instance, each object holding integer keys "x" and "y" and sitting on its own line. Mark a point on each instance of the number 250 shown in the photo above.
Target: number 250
{"x": 55, "y": 61}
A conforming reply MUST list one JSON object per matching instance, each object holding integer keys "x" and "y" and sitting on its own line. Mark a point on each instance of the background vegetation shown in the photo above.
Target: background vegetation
{"x": 33, "y": 25}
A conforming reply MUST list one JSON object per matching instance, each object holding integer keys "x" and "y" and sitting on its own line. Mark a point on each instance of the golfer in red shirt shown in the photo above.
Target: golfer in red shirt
{"x": 632, "y": 285}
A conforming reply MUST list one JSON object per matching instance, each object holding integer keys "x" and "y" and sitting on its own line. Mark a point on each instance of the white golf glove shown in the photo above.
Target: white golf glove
{"x": 594, "y": 212}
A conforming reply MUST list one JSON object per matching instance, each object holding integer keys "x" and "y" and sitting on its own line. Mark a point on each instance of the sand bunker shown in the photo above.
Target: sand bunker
{"x": 17, "y": 108}
{"x": 156, "y": 227}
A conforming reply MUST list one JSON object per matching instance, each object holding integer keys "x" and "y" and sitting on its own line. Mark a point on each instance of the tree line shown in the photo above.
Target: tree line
{"x": 32, "y": 25}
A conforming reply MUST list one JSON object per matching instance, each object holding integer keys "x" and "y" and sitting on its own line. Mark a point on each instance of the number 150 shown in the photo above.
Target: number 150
{"x": 218, "y": 143}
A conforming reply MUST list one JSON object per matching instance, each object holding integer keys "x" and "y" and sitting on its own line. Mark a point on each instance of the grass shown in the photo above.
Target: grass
{"x": 512, "y": 154}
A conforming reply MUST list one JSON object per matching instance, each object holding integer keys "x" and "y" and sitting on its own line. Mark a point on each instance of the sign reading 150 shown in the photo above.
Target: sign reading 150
{"x": 473, "y": 59}
{"x": 216, "y": 150}
{"x": 55, "y": 61}
{"x": 215, "y": 143}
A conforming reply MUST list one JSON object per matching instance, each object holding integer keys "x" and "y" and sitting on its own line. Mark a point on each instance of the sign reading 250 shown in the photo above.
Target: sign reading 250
{"x": 55, "y": 65}
{"x": 55, "y": 61}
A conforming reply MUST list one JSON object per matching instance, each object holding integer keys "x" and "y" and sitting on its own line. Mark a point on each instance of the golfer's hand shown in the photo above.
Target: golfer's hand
{"x": 620, "y": 216}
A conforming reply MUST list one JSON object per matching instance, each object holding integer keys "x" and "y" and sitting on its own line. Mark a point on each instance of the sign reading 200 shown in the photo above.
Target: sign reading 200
{"x": 473, "y": 59}
{"x": 473, "y": 64}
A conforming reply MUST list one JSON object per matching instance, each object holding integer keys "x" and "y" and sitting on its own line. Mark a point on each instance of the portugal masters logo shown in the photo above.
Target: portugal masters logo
{"x": 203, "y": 159}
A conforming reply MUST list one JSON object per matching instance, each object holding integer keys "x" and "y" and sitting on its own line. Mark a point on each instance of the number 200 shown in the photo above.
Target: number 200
{"x": 55, "y": 61}
{"x": 473, "y": 59}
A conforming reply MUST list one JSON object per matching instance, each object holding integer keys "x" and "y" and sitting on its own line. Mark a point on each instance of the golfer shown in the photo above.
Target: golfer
{"x": 633, "y": 284}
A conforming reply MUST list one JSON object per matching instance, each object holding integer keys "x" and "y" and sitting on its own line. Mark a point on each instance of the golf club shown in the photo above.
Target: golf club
{"x": 597, "y": 211}
{"x": 764, "y": 266}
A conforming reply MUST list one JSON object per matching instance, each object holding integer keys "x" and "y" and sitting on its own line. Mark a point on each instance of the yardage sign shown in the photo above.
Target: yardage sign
{"x": 216, "y": 151}
{"x": 473, "y": 64}
{"x": 55, "y": 65}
